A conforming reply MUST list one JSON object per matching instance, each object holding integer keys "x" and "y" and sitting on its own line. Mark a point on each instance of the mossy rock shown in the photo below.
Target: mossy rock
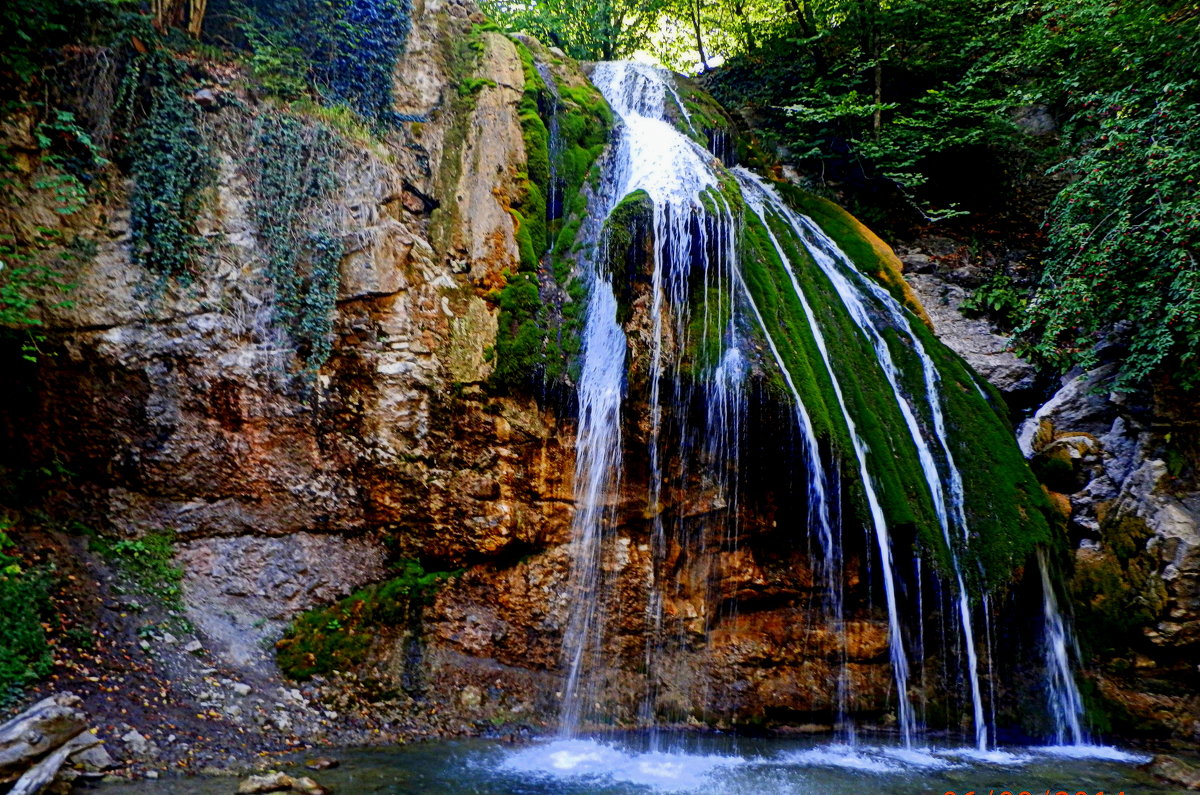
{"x": 628, "y": 242}
{"x": 864, "y": 248}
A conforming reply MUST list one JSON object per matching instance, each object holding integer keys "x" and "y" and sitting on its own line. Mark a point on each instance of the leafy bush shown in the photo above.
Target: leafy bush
{"x": 338, "y": 637}
{"x": 148, "y": 562}
{"x": 1000, "y": 298}
{"x": 1125, "y": 231}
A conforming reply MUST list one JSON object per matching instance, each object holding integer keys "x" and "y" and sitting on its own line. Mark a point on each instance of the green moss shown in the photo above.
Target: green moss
{"x": 626, "y": 245}
{"x": 1117, "y": 592}
{"x": 870, "y": 254}
{"x": 711, "y": 313}
{"x": 520, "y": 351}
{"x": 1114, "y": 601}
{"x": 891, "y": 459}
{"x": 526, "y": 249}
{"x": 707, "y": 115}
{"x": 532, "y": 339}
{"x": 338, "y": 637}
{"x": 1008, "y": 513}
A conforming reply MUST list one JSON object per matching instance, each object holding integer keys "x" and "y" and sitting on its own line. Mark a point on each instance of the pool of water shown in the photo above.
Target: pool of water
{"x": 707, "y": 763}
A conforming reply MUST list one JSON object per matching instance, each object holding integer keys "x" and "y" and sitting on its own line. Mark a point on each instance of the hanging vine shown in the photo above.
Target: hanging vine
{"x": 169, "y": 162}
{"x": 293, "y": 161}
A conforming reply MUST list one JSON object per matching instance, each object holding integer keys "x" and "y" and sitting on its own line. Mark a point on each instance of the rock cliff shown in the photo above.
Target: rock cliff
{"x": 163, "y": 405}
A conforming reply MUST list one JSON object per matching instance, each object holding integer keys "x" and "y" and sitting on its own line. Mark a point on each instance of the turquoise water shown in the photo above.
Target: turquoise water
{"x": 704, "y": 763}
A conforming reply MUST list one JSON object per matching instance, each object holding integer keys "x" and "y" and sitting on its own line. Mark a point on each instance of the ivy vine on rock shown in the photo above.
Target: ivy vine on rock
{"x": 170, "y": 164}
{"x": 293, "y": 162}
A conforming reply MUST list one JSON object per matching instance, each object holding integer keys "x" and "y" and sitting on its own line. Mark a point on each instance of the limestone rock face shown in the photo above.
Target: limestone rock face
{"x": 1126, "y": 467}
{"x": 182, "y": 407}
{"x": 978, "y": 341}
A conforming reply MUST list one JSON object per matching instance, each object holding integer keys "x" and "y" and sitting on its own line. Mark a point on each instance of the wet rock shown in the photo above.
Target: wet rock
{"x": 322, "y": 763}
{"x": 1174, "y": 771}
{"x": 280, "y": 782}
{"x": 207, "y": 99}
{"x": 94, "y": 758}
{"x": 1035, "y": 119}
{"x": 269, "y": 782}
{"x": 975, "y": 339}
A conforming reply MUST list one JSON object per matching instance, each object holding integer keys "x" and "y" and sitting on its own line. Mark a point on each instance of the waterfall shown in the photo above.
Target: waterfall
{"x": 699, "y": 211}
{"x": 948, "y": 500}
{"x": 554, "y": 190}
{"x": 1065, "y": 702}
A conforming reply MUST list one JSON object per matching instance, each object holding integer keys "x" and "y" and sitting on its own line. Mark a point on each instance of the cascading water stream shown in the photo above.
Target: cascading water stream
{"x": 554, "y": 197}
{"x": 898, "y": 655}
{"x": 947, "y": 496}
{"x": 695, "y": 231}
{"x": 1066, "y": 703}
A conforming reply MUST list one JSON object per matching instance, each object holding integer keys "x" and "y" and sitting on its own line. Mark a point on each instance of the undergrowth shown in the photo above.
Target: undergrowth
{"x": 25, "y": 653}
{"x": 338, "y": 637}
{"x": 147, "y": 563}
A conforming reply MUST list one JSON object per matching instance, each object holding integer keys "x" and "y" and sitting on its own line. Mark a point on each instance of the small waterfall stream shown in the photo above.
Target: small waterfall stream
{"x": 1065, "y": 701}
{"x": 699, "y": 210}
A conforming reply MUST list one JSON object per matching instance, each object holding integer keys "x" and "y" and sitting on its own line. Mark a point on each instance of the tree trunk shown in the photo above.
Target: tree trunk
{"x": 699, "y": 36}
{"x": 802, "y": 16}
{"x": 38, "y": 730}
{"x": 878, "y": 118}
{"x": 44, "y": 772}
{"x": 739, "y": 9}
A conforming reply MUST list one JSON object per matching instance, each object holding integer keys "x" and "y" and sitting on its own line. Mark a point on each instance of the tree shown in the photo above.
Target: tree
{"x": 1125, "y": 231}
{"x": 598, "y": 31}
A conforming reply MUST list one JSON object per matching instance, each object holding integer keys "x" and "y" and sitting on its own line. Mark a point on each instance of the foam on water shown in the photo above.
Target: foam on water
{"x": 918, "y": 757}
{"x": 585, "y": 759}
{"x": 1103, "y": 752}
{"x": 992, "y": 756}
{"x": 843, "y": 756}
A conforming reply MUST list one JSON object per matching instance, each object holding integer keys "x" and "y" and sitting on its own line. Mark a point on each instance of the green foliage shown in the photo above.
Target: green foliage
{"x": 25, "y": 275}
{"x": 170, "y": 162}
{"x": 338, "y": 637}
{"x": 294, "y": 163}
{"x": 597, "y": 31}
{"x": 342, "y": 50}
{"x": 1125, "y": 231}
{"x": 148, "y": 563}
{"x": 999, "y": 298}
{"x": 29, "y": 270}
{"x": 25, "y": 654}
{"x": 32, "y": 30}
{"x": 895, "y": 101}
{"x": 278, "y": 65}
